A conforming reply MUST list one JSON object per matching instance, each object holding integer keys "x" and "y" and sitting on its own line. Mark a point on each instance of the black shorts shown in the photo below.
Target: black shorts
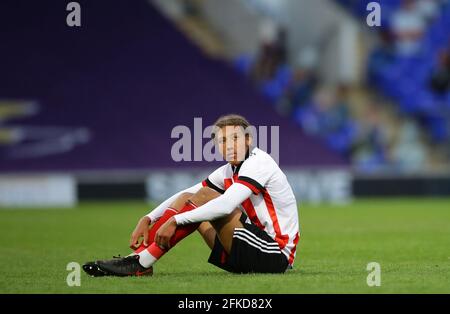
{"x": 252, "y": 251}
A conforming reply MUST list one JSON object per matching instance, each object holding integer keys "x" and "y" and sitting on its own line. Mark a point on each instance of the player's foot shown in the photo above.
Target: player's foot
{"x": 126, "y": 266}
{"x": 92, "y": 269}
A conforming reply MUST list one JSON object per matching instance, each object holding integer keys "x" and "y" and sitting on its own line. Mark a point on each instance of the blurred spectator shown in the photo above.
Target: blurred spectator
{"x": 299, "y": 91}
{"x": 428, "y": 9}
{"x": 302, "y": 84}
{"x": 398, "y": 66}
{"x": 325, "y": 115}
{"x": 370, "y": 151}
{"x": 307, "y": 59}
{"x": 408, "y": 26}
{"x": 408, "y": 153}
{"x": 440, "y": 78}
{"x": 341, "y": 110}
{"x": 272, "y": 52}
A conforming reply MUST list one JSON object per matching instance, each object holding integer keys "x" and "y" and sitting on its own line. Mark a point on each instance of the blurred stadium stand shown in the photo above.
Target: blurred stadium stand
{"x": 99, "y": 102}
{"x": 402, "y": 82}
{"x": 128, "y": 77}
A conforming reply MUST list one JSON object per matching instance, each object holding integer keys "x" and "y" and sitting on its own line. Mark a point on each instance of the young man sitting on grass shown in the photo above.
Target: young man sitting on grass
{"x": 245, "y": 211}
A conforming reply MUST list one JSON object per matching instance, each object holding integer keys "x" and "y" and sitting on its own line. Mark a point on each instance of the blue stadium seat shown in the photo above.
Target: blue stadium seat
{"x": 243, "y": 64}
{"x": 342, "y": 140}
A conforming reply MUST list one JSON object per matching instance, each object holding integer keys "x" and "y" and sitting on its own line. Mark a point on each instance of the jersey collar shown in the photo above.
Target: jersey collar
{"x": 236, "y": 168}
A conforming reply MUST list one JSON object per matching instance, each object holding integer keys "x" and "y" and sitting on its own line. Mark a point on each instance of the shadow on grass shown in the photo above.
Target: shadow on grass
{"x": 224, "y": 274}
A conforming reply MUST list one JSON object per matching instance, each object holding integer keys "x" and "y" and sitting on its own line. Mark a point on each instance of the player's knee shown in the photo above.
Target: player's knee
{"x": 185, "y": 196}
{"x": 180, "y": 201}
{"x": 204, "y": 195}
{"x": 233, "y": 219}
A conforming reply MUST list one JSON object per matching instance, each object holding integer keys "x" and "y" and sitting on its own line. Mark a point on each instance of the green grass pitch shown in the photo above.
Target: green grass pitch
{"x": 410, "y": 239}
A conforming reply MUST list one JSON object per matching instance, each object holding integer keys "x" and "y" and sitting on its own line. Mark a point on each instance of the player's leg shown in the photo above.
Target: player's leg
{"x": 206, "y": 230}
{"x": 143, "y": 261}
{"x": 242, "y": 247}
{"x": 208, "y": 233}
{"x": 172, "y": 210}
{"x": 154, "y": 252}
{"x": 218, "y": 235}
{"x": 203, "y": 196}
{"x": 223, "y": 228}
{"x": 92, "y": 268}
{"x": 200, "y": 198}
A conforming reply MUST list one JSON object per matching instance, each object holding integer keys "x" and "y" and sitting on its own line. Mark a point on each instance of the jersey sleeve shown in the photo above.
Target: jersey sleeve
{"x": 255, "y": 173}
{"x": 215, "y": 180}
{"x": 216, "y": 208}
{"x": 156, "y": 213}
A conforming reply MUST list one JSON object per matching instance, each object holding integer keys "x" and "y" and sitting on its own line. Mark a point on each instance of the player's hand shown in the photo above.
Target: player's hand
{"x": 165, "y": 233}
{"x": 141, "y": 230}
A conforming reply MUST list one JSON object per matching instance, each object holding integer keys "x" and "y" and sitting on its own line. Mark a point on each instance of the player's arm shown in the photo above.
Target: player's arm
{"x": 141, "y": 229}
{"x": 156, "y": 213}
{"x": 214, "y": 181}
{"x": 214, "y": 209}
{"x": 218, "y": 207}
{"x": 253, "y": 175}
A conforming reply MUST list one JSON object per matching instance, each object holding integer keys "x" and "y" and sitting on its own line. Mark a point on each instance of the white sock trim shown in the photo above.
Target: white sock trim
{"x": 146, "y": 259}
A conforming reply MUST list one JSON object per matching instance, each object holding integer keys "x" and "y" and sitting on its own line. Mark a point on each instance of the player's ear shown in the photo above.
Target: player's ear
{"x": 215, "y": 134}
{"x": 248, "y": 139}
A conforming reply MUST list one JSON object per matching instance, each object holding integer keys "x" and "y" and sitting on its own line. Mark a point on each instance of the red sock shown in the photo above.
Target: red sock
{"x": 180, "y": 234}
{"x": 152, "y": 232}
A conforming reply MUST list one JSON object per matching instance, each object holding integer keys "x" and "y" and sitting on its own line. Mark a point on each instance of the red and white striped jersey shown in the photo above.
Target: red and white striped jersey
{"x": 272, "y": 206}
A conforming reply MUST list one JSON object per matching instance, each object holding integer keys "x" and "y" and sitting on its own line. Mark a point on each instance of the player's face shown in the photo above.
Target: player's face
{"x": 233, "y": 142}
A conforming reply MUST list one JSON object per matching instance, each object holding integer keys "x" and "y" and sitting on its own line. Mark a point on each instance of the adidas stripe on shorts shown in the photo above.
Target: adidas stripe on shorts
{"x": 252, "y": 251}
